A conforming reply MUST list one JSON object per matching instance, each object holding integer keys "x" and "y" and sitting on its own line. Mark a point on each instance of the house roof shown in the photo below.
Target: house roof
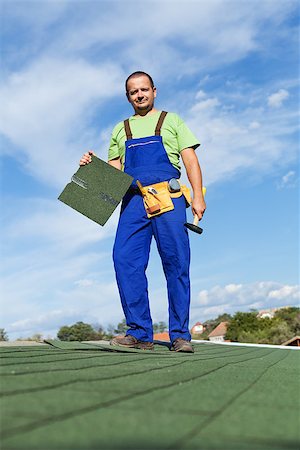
{"x": 84, "y": 396}
{"x": 220, "y": 330}
{"x": 290, "y": 341}
{"x": 197, "y": 324}
{"x": 161, "y": 336}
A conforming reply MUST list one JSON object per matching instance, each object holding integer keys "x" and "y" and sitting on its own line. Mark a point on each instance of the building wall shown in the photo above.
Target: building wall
{"x": 217, "y": 338}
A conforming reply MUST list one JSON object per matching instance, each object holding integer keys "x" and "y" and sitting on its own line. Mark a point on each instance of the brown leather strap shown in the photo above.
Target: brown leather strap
{"x": 127, "y": 129}
{"x": 160, "y": 122}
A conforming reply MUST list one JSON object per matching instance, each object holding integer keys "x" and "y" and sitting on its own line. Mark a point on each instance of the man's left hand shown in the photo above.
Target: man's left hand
{"x": 198, "y": 207}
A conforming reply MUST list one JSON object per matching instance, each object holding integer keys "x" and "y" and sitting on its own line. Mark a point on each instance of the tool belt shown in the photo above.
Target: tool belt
{"x": 158, "y": 199}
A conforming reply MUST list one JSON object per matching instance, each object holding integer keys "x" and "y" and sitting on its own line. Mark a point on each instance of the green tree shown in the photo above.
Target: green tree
{"x": 37, "y": 337}
{"x": 291, "y": 316}
{"x": 279, "y": 332}
{"x": 80, "y": 331}
{"x": 160, "y": 327}
{"x": 110, "y": 331}
{"x": 64, "y": 333}
{"x": 247, "y": 327}
{"x": 242, "y": 322}
{"x": 3, "y": 335}
{"x": 121, "y": 328}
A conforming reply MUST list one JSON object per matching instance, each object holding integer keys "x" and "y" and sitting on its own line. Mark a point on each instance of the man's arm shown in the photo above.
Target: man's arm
{"x": 115, "y": 163}
{"x": 194, "y": 174}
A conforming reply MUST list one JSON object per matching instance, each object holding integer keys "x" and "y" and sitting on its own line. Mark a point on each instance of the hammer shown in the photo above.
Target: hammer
{"x": 194, "y": 226}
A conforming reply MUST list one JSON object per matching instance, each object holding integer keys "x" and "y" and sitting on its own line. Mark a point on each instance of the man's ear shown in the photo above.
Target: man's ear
{"x": 154, "y": 91}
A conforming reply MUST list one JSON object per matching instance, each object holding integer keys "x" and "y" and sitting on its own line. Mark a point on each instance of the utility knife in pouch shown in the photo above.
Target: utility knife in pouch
{"x": 96, "y": 189}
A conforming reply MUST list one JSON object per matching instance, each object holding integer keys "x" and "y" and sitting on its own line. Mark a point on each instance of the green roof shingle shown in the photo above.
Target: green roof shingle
{"x": 220, "y": 397}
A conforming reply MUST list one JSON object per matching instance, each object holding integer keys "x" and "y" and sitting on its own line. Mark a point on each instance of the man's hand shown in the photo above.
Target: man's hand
{"x": 194, "y": 174}
{"x": 86, "y": 158}
{"x": 198, "y": 207}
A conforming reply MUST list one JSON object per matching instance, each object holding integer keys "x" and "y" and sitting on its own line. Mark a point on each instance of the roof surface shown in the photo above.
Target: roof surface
{"x": 82, "y": 396}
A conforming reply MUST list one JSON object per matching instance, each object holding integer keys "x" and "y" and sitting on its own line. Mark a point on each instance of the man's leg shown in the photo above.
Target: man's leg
{"x": 131, "y": 255}
{"x": 173, "y": 246}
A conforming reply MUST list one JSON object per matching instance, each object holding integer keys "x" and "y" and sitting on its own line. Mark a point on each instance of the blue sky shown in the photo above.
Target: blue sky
{"x": 229, "y": 68}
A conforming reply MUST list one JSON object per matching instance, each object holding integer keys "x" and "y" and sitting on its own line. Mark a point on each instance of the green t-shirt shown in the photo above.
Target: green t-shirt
{"x": 175, "y": 134}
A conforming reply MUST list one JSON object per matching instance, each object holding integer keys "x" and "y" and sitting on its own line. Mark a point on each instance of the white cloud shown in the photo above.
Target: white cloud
{"x": 72, "y": 62}
{"x": 243, "y": 297}
{"x": 52, "y": 257}
{"x": 48, "y": 103}
{"x": 275, "y": 100}
{"x": 254, "y": 125}
{"x": 231, "y": 147}
{"x": 85, "y": 282}
{"x": 55, "y": 224}
{"x": 289, "y": 180}
{"x": 207, "y": 104}
{"x": 289, "y": 292}
{"x": 228, "y": 31}
{"x": 233, "y": 288}
{"x": 45, "y": 112}
{"x": 200, "y": 95}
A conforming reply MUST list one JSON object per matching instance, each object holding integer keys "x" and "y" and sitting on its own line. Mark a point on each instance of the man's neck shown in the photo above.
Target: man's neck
{"x": 144, "y": 113}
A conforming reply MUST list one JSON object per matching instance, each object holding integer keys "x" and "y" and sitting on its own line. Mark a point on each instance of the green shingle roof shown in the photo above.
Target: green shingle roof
{"x": 81, "y": 397}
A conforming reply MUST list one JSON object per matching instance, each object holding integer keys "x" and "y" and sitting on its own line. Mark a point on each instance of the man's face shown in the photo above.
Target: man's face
{"x": 140, "y": 93}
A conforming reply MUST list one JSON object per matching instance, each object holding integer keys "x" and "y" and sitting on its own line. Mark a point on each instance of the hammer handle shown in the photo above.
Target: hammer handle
{"x": 196, "y": 220}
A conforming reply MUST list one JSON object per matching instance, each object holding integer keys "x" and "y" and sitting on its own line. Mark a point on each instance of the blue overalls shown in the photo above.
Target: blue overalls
{"x": 147, "y": 161}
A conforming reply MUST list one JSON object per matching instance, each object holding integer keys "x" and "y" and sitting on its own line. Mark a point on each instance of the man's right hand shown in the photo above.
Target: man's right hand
{"x": 86, "y": 158}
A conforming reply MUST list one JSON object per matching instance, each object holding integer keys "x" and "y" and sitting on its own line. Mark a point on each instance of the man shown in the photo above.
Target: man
{"x": 148, "y": 146}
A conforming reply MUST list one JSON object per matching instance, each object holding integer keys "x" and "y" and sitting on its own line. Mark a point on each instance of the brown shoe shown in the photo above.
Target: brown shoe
{"x": 182, "y": 345}
{"x": 131, "y": 342}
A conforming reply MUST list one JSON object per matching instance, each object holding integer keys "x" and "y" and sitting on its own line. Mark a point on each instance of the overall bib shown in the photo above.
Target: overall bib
{"x": 147, "y": 161}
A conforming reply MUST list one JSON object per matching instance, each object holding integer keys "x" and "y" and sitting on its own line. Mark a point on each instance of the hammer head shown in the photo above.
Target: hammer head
{"x": 193, "y": 227}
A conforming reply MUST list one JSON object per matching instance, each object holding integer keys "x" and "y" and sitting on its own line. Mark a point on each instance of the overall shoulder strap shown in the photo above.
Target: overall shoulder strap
{"x": 127, "y": 129}
{"x": 160, "y": 122}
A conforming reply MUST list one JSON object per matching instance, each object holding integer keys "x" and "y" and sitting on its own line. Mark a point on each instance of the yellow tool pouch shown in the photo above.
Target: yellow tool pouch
{"x": 187, "y": 194}
{"x": 158, "y": 199}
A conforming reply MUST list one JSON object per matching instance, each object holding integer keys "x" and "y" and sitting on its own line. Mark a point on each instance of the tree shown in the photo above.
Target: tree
{"x": 159, "y": 327}
{"x": 110, "y": 331}
{"x": 291, "y": 316}
{"x": 247, "y": 327}
{"x": 80, "y": 331}
{"x": 279, "y": 332}
{"x": 64, "y": 333}
{"x": 121, "y": 328}
{"x": 242, "y": 322}
{"x": 37, "y": 337}
{"x": 3, "y": 335}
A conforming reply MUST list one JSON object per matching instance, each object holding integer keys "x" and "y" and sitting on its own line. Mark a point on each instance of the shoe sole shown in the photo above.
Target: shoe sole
{"x": 137, "y": 346}
{"x": 183, "y": 350}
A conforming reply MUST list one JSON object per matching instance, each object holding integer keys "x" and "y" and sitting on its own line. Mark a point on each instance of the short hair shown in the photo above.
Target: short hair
{"x": 139, "y": 74}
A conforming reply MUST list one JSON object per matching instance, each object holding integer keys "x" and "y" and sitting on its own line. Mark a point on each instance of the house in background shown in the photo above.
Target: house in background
{"x": 294, "y": 342}
{"x": 198, "y": 328}
{"x": 218, "y": 334}
{"x": 162, "y": 336}
{"x": 262, "y": 314}
{"x": 267, "y": 313}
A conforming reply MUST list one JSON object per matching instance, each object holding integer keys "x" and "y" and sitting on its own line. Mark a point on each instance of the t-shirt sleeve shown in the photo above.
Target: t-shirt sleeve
{"x": 114, "y": 151}
{"x": 185, "y": 137}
